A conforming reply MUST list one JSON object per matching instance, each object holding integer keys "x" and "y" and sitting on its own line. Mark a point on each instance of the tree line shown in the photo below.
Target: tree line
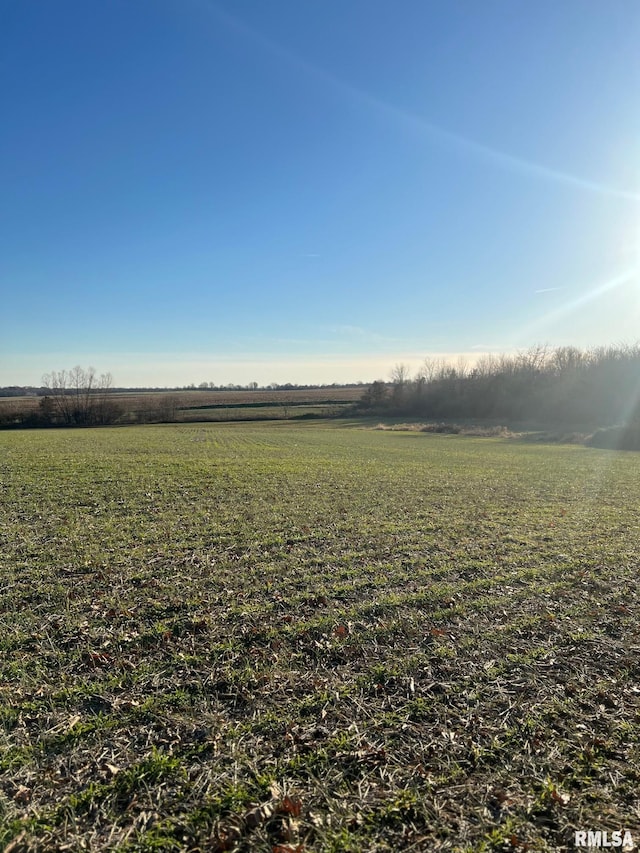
{"x": 565, "y": 385}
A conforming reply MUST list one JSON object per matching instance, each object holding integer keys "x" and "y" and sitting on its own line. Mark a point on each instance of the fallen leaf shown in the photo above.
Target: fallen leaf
{"x": 75, "y": 719}
{"x": 291, "y": 806}
{"x": 99, "y": 658}
{"x": 22, "y": 795}
{"x": 254, "y": 817}
{"x": 561, "y": 799}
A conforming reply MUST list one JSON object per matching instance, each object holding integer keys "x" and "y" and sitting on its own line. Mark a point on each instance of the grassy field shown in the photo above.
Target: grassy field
{"x": 307, "y": 638}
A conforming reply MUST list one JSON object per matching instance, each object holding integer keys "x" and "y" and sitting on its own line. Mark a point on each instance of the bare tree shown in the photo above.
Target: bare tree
{"x": 168, "y": 407}
{"x": 79, "y": 397}
{"x": 400, "y": 375}
{"x": 399, "y": 379}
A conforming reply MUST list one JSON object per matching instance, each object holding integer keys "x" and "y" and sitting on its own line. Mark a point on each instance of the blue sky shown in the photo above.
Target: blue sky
{"x": 313, "y": 190}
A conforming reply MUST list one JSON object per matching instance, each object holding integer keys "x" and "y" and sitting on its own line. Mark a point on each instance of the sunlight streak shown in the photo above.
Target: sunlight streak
{"x": 573, "y": 305}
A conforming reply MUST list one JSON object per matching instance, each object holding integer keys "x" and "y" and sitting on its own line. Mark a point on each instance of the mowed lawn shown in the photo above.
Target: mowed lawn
{"x": 302, "y": 638}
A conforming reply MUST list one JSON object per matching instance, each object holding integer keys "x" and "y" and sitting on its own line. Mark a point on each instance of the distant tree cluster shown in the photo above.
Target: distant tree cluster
{"x": 18, "y": 391}
{"x": 272, "y": 386}
{"x": 565, "y": 385}
{"x": 77, "y": 397}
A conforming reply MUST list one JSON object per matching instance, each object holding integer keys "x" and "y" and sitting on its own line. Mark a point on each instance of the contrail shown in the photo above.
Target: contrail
{"x": 452, "y": 139}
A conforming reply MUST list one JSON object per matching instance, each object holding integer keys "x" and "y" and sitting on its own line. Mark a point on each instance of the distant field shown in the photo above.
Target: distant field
{"x": 280, "y": 638}
{"x": 215, "y": 405}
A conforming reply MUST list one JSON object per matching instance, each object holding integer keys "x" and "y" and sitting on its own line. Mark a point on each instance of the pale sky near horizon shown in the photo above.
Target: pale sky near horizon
{"x": 313, "y": 190}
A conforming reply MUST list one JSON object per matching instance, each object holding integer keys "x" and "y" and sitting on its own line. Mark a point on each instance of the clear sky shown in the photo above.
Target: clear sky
{"x": 313, "y": 190}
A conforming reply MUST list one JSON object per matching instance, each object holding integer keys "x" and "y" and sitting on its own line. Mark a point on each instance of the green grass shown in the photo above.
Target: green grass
{"x": 256, "y": 637}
